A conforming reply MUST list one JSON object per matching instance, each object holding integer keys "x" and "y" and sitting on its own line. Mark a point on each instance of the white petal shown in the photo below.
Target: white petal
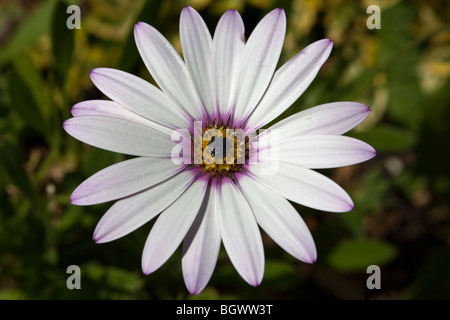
{"x": 139, "y": 96}
{"x": 172, "y": 225}
{"x": 279, "y": 220}
{"x": 113, "y": 109}
{"x": 128, "y": 214}
{"x": 304, "y": 186}
{"x": 228, "y": 45}
{"x": 320, "y": 151}
{"x": 240, "y": 233}
{"x": 196, "y": 43}
{"x": 120, "y": 135}
{"x": 103, "y": 108}
{"x": 289, "y": 82}
{"x": 123, "y": 179}
{"x": 331, "y": 118}
{"x": 260, "y": 58}
{"x": 201, "y": 245}
{"x": 168, "y": 69}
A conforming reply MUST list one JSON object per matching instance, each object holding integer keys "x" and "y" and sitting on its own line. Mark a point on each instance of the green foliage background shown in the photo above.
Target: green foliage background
{"x": 401, "y": 216}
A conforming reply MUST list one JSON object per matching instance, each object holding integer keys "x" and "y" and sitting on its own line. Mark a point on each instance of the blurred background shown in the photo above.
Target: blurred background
{"x": 401, "y": 218}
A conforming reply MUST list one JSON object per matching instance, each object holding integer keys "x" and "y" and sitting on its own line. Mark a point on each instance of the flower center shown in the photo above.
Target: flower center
{"x": 222, "y": 150}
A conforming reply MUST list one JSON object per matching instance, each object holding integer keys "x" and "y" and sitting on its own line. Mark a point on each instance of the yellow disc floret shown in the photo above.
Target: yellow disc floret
{"x": 221, "y": 150}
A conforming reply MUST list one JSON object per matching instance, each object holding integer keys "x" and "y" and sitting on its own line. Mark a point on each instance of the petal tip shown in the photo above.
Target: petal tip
{"x": 93, "y": 74}
{"x": 277, "y": 13}
{"x": 372, "y": 151}
{"x": 100, "y": 240}
{"x": 366, "y": 109}
{"x": 351, "y": 206}
{"x": 73, "y": 111}
{"x": 98, "y": 237}
{"x": 231, "y": 13}
{"x": 281, "y": 15}
{"x": 312, "y": 259}
{"x": 256, "y": 283}
{"x": 346, "y": 205}
{"x": 66, "y": 126}
{"x": 330, "y": 44}
{"x": 138, "y": 26}
{"x": 75, "y": 199}
{"x": 194, "y": 291}
{"x": 72, "y": 199}
{"x": 146, "y": 271}
{"x": 147, "y": 267}
{"x": 187, "y": 8}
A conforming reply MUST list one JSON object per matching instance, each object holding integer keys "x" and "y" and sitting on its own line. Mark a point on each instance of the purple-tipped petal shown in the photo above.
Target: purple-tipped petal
{"x": 168, "y": 69}
{"x": 317, "y": 151}
{"x": 196, "y": 43}
{"x": 240, "y": 233}
{"x": 303, "y": 186}
{"x": 260, "y": 58}
{"x": 289, "y": 82}
{"x": 279, "y": 220}
{"x": 201, "y": 245}
{"x": 113, "y": 109}
{"x": 102, "y": 108}
{"x": 172, "y": 225}
{"x": 123, "y": 179}
{"x": 138, "y": 96}
{"x": 331, "y": 118}
{"x": 119, "y": 135}
{"x": 228, "y": 46}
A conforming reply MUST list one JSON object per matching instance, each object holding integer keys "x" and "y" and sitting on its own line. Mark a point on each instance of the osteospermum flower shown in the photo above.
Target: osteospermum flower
{"x": 200, "y": 166}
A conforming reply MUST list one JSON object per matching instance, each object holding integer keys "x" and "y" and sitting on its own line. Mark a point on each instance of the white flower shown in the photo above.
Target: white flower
{"x": 224, "y": 83}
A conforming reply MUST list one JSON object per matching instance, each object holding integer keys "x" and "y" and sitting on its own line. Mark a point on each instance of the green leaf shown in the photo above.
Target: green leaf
{"x": 387, "y": 138}
{"x": 399, "y": 55}
{"x": 367, "y": 199}
{"x": 62, "y": 40}
{"x": 352, "y": 256}
{"x": 397, "y": 35}
{"x": 23, "y": 102}
{"x": 12, "y": 294}
{"x": 31, "y": 76}
{"x": 275, "y": 270}
{"x": 4, "y": 103}
{"x": 112, "y": 278}
{"x": 97, "y": 159}
{"x": 406, "y": 104}
{"x": 32, "y": 27}
{"x": 12, "y": 166}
